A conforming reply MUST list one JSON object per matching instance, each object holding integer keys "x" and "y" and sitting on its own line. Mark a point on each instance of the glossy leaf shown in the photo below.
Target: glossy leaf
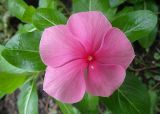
{"x": 28, "y": 99}
{"x": 25, "y": 41}
{"x": 67, "y": 108}
{"x": 136, "y": 24}
{"x": 131, "y": 98}
{"x": 114, "y": 3}
{"x": 23, "y": 52}
{"x": 27, "y": 60}
{"x": 44, "y": 18}
{"x": 91, "y": 102}
{"x": 94, "y": 5}
{"x": 6, "y": 67}
{"x": 21, "y": 10}
{"x": 10, "y": 77}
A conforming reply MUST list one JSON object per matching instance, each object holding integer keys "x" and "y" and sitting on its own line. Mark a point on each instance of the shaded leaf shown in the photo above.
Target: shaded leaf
{"x": 114, "y": 3}
{"x": 91, "y": 102}
{"x": 131, "y": 98}
{"x": 153, "y": 98}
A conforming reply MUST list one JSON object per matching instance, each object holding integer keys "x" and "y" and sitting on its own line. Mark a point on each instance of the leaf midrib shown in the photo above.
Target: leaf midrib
{"x": 46, "y": 19}
{"x": 129, "y": 101}
{"x": 28, "y": 98}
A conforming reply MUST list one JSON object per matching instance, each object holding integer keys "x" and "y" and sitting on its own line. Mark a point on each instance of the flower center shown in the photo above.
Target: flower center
{"x": 90, "y": 58}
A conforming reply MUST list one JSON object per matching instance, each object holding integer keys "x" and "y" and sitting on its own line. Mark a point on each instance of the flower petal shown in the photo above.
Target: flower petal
{"x": 116, "y": 49}
{"x": 90, "y": 28}
{"x": 58, "y": 46}
{"x": 103, "y": 79}
{"x": 66, "y": 83}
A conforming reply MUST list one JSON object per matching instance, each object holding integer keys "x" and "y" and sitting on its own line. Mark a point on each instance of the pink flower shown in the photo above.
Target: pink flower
{"x": 86, "y": 54}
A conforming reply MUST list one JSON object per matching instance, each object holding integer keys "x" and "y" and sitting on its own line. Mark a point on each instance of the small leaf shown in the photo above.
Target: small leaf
{"x": 91, "y": 102}
{"x": 131, "y": 98}
{"x": 67, "y": 108}
{"x": 44, "y": 18}
{"x": 28, "y": 99}
{"x": 136, "y": 24}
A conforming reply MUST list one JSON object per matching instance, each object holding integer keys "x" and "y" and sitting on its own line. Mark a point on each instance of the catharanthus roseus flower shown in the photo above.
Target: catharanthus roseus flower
{"x": 86, "y": 54}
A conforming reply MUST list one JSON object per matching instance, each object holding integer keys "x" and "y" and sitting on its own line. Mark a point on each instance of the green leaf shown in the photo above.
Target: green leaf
{"x": 27, "y": 60}
{"x": 67, "y": 108}
{"x": 21, "y": 10}
{"x": 134, "y": 1}
{"x": 25, "y": 41}
{"x": 94, "y": 5}
{"x": 124, "y": 11}
{"x": 131, "y": 98}
{"x": 26, "y": 28}
{"x": 28, "y": 99}
{"x": 23, "y": 52}
{"x": 153, "y": 98}
{"x": 10, "y": 77}
{"x": 10, "y": 82}
{"x": 1, "y": 94}
{"x": 136, "y": 24}
{"x": 6, "y": 67}
{"x": 47, "y": 4}
{"x": 44, "y": 18}
{"x": 91, "y": 102}
{"x": 115, "y": 3}
{"x": 147, "y": 41}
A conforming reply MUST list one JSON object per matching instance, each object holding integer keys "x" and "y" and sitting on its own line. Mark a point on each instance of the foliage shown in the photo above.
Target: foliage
{"x": 20, "y": 62}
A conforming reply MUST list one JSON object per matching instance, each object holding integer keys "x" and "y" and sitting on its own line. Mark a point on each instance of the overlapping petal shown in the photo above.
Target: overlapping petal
{"x": 66, "y": 83}
{"x": 103, "y": 80}
{"x": 116, "y": 49}
{"x": 58, "y": 46}
{"x": 89, "y": 28}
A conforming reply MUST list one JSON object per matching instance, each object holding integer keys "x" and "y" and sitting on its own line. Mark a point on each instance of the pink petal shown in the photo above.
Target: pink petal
{"x": 116, "y": 49}
{"x": 66, "y": 83}
{"x": 90, "y": 28}
{"x": 103, "y": 79}
{"x": 58, "y": 46}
